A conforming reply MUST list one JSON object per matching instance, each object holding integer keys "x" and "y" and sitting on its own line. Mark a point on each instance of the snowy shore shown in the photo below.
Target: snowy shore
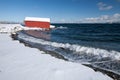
{"x": 18, "y": 62}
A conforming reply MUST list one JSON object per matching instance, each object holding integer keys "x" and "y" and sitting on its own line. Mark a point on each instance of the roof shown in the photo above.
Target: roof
{"x": 37, "y": 19}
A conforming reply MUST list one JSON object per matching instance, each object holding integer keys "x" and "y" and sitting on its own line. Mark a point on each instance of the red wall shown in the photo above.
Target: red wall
{"x": 37, "y": 24}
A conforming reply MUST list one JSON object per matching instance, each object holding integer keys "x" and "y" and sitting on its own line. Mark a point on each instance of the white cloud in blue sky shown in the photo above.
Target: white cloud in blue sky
{"x": 103, "y": 19}
{"x": 115, "y": 18}
{"x": 103, "y": 6}
{"x": 118, "y": 0}
{"x": 57, "y": 10}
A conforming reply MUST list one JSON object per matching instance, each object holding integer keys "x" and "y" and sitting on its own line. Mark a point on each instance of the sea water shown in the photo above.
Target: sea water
{"x": 97, "y": 44}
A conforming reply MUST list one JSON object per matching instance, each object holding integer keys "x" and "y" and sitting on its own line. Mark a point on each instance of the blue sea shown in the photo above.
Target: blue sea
{"x": 95, "y": 44}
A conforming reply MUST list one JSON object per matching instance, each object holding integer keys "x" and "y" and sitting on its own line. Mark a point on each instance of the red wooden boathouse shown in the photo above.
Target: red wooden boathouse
{"x": 35, "y": 22}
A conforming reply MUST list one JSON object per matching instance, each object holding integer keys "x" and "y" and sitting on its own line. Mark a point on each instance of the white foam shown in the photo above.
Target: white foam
{"x": 52, "y": 26}
{"x": 77, "y": 48}
{"x": 61, "y": 27}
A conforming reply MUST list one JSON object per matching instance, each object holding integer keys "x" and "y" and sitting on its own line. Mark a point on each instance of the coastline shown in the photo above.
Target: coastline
{"x": 19, "y": 62}
{"x": 56, "y": 55}
{"x": 109, "y": 73}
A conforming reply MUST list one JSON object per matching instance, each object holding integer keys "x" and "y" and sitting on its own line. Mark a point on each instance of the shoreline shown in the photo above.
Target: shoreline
{"x": 109, "y": 73}
{"x": 26, "y": 43}
{"x": 113, "y": 75}
{"x": 21, "y": 62}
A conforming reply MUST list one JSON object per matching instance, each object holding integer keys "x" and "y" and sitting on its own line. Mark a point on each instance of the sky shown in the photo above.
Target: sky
{"x": 61, "y": 11}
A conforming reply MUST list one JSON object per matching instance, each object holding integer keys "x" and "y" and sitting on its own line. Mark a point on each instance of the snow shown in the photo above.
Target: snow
{"x": 10, "y": 28}
{"x": 7, "y": 28}
{"x": 18, "y": 62}
{"x": 37, "y": 19}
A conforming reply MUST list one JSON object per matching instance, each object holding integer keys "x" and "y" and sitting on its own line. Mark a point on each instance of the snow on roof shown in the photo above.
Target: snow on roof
{"x": 37, "y": 19}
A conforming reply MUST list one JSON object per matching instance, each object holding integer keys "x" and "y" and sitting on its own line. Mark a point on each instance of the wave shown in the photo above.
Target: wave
{"x": 108, "y": 60}
{"x": 77, "y": 49}
{"x": 61, "y": 27}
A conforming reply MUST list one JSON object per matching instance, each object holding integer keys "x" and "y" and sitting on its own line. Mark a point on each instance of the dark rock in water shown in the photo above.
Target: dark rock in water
{"x": 14, "y": 36}
{"x": 62, "y": 48}
{"x": 110, "y": 65}
{"x": 109, "y": 73}
{"x": 52, "y": 53}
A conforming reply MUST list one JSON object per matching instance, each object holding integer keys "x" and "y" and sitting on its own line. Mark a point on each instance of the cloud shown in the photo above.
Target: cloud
{"x": 115, "y": 18}
{"x": 64, "y": 21}
{"x": 103, "y": 6}
{"x": 118, "y": 0}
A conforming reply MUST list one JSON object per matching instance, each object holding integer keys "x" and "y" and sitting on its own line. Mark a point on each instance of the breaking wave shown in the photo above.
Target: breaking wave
{"x": 93, "y": 44}
{"x": 77, "y": 49}
{"x": 61, "y": 27}
{"x": 101, "y": 58}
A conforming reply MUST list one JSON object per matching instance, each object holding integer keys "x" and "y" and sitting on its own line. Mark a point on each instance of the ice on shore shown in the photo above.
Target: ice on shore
{"x": 18, "y": 62}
